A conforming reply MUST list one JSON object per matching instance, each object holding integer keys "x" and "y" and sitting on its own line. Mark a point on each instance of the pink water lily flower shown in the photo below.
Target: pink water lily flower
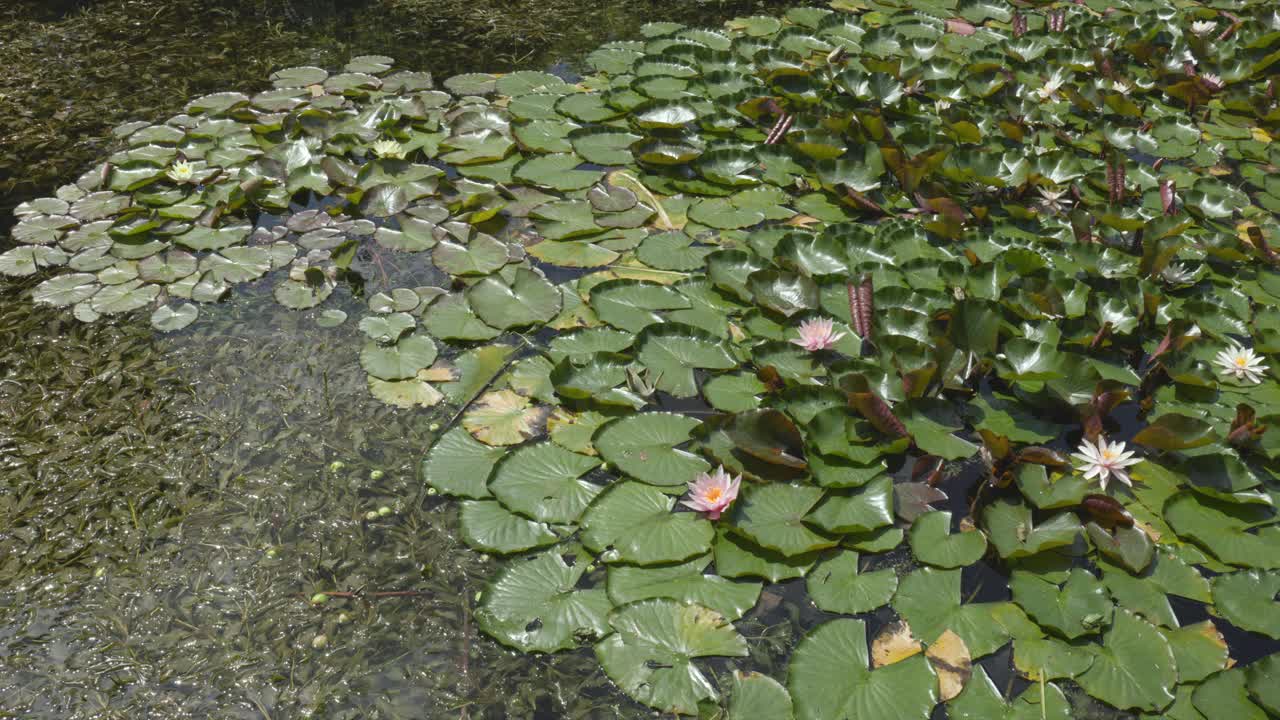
{"x": 817, "y": 334}
{"x": 712, "y": 494}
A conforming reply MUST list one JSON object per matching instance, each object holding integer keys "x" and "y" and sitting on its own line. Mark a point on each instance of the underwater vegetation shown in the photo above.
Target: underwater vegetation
{"x": 948, "y": 330}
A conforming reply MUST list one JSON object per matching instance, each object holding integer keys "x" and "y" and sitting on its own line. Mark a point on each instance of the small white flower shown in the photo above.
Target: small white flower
{"x": 1121, "y": 86}
{"x": 1050, "y": 201}
{"x": 942, "y": 104}
{"x": 1213, "y": 81}
{"x": 181, "y": 172}
{"x": 1200, "y": 28}
{"x": 1105, "y": 460}
{"x": 1178, "y": 274}
{"x": 1050, "y": 87}
{"x": 388, "y": 149}
{"x": 1241, "y": 363}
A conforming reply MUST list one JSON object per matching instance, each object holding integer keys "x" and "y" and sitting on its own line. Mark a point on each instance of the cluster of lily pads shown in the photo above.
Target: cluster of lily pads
{"x": 832, "y": 273}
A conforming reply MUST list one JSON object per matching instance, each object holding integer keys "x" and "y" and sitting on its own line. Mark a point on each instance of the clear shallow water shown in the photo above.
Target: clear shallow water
{"x": 173, "y": 502}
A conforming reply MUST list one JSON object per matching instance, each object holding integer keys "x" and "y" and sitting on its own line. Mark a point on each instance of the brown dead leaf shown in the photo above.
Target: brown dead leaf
{"x": 893, "y": 644}
{"x": 951, "y": 660}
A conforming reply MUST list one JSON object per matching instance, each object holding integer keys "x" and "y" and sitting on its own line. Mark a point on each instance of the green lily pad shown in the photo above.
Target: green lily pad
{"x": 489, "y": 527}
{"x": 773, "y": 516}
{"x": 65, "y": 290}
{"x": 459, "y": 465}
{"x": 632, "y": 305}
{"x": 829, "y": 677}
{"x": 1081, "y": 606}
{"x": 1248, "y": 600}
{"x": 1134, "y": 668}
{"x": 168, "y": 318}
{"x": 737, "y": 557}
{"x": 400, "y": 361}
{"x": 533, "y": 605}
{"x": 1014, "y": 534}
{"x": 684, "y": 582}
{"x": 933, "y": 543}
{"x": 753, "y": 696}
{"x": 835, "y": 585}
{"x": 557, "y": 171}
{"x": 650, "y": 654}
{"x": 543, "y": 482}
{"x": 672, "y": 351}
{"x": 644, "y": 447}
{"x": 528, "y": 300}
{"x": 633, "y": 523}
{"x": 981, "y": 701}
{"x": 929, "y": 600}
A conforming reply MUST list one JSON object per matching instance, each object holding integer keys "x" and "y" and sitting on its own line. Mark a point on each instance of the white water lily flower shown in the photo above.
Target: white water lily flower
{"x": 181, "y": 172}
{"x": 388, "y": 149}
{"x": 1241, "y": 363}
{"x": 1105, "y": 460}
{"x": 1122, "y": 87}
{"x": 942, "y": 104}
{"x": 1050, "y": 201}
{"x": 1178, "y": 274}
{"x": 1050, "y": 87}
{"x": 1200, "y": 28}
{"x": 1213, "y": 81}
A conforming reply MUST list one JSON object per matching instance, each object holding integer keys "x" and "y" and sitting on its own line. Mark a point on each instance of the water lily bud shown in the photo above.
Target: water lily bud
{"x": 343, "y": 618}
{"x": 100, "y": 572}
{"x": 319, "y": 598}
{"x": 431, "y": 491}
{"x": 376, "y": 475}
{"x": 371, "y": 515}
{"x": 336, "y": 466}
{"x": 319, "y": 641}
{"x": 433, "y": 427}
{"x": 384, "y": 511}
{"x": 479, "y": 594}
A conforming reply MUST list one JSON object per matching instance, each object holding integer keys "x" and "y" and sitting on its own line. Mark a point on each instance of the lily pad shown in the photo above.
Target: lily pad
{"x": 633, "y": 523}
{"x": 650, "y": 654}
{"x": 829, "y": 677}
{"x": 533, "y": 605}
{"x": 543, "y": 482}
{"x": 933, "y": 543}
{"x": 644, "y": 447}
{"x": 837, "y": 586}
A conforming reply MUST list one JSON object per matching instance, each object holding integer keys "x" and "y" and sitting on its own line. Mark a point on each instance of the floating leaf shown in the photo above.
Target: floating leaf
{"x": 686, "y": 583}
{"x": 933, "y": 543}
{"x": 532, "y": 605}
{"x": 503, "y": 417}
{"x": 543, "y": 481}
{"x": 650, "y": 654}
{"x": 1133, "y": 668}
{"x": 459, "y": 465}
{"x": 489, "y": 527}
{"x": 836, "y": 585}
{"x": 633, "y": 523}
{"x": 829, "y": 677}
{"x": 644, "y": 447}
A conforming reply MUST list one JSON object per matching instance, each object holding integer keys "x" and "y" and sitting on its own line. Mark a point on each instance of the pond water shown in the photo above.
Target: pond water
{"x": 172, "y": 503}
